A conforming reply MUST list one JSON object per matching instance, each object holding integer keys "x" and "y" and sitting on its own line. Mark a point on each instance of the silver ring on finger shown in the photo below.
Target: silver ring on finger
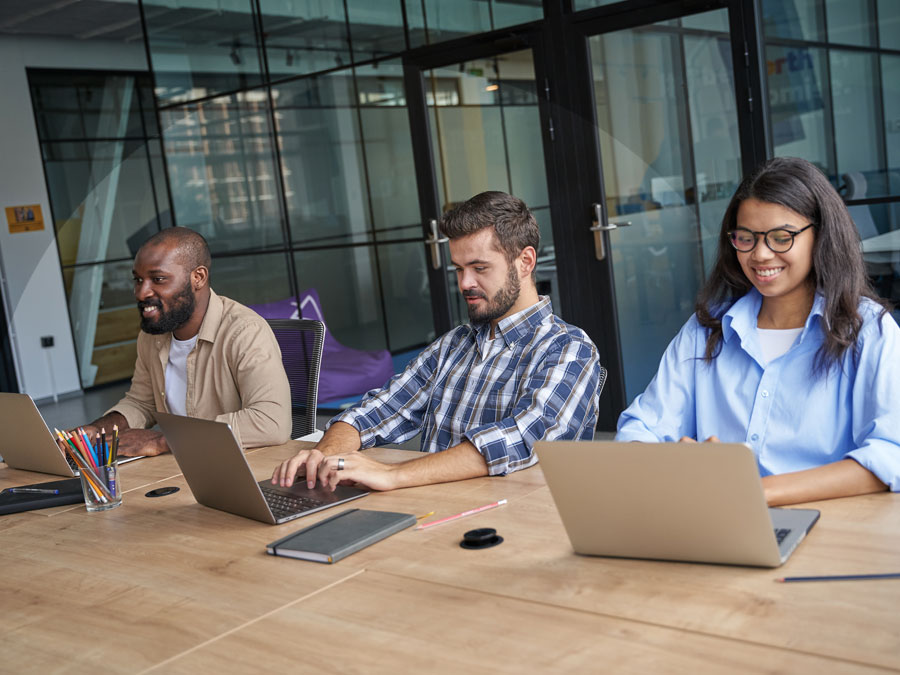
{"x": 340, "y": 464}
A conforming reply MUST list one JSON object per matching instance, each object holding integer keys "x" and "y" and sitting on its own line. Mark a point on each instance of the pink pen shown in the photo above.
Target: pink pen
{"x": 461, "y": 515}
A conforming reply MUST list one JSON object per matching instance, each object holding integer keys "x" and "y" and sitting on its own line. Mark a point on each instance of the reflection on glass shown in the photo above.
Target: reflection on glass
{"x": 670, "y": 163}
{"x": 222, "y": 171}
{"x": 889, "y": 24}
{"x": 376, "y": 28}
{"x": 793, "y": 19}
{"x": 100, "y": 196}
{"x": 391, "y": 170}
{"x": 304, "y": 36}
{"x": 715, "y": 21}
{"x": 107, "y": 195}
{"x": 432, "y": 21}
{"x": 890, "y": 91}
{"x": 850, "y": 22}
{"x": 347, "y": 282}
{"x": 486, "y": 136}
{"x": 587, "y": 4}
{"x": 798, "y": 96}
{"x": 251, "y": 279}
{"x": 407, "y": 295}
{"x": 857, "y": 119}
{"x": 198, "y": 51}
{"x": 322, "y": 159}
{"x": 105, "y": 320}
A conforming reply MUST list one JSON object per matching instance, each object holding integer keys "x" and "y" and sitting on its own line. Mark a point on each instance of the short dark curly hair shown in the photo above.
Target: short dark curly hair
{"x": 514, "y": 225}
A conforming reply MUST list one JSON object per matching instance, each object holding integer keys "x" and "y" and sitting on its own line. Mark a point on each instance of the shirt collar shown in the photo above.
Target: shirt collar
{"x": 741, "y": 317}
{"x": 209, "y": 327}
{"x": 516, "y": 326}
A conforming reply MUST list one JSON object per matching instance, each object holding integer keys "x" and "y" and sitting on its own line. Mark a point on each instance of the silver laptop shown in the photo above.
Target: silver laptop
{"x": 26, "y": 443}
{"x": 699, "y": 502}
{"x": 217, "y": 472}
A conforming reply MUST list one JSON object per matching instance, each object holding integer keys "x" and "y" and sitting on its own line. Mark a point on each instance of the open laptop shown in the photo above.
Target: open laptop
{"x": 26, "y": 443}
{"x": 217, "y": 472}
{"x": 698, "y": 502}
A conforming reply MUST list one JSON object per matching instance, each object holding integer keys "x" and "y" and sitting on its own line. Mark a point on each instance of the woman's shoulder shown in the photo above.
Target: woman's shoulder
{"x": 876, "y": 319}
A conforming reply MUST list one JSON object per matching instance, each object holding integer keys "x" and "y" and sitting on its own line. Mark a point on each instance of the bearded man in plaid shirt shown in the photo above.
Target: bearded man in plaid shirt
{"x": 483, "y": 393}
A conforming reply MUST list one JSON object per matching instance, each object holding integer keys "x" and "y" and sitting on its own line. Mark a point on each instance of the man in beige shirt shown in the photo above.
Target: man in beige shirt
{"x": 198, "y": 354}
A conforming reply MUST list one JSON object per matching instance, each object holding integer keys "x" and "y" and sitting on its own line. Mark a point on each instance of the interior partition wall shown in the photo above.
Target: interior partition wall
{"x": 833, "y": 80}
{"x": 312, "y": 141}
{"x": 287, "y": 139}
{"x": 103, "y": 164}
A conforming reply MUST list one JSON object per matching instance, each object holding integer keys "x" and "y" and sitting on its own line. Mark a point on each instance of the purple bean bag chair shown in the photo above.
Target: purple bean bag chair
{"x": 345, "y": 372}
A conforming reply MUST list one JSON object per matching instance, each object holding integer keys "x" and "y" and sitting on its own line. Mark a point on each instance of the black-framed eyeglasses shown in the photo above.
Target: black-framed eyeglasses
{"x": 779, "y": 239}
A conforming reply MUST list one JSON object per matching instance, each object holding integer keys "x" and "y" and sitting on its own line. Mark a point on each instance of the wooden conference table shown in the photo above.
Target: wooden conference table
{"x": 166, "y": 585}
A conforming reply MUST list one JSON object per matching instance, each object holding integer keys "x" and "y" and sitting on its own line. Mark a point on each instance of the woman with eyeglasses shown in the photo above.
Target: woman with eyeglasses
{"x": 790, "y": 350}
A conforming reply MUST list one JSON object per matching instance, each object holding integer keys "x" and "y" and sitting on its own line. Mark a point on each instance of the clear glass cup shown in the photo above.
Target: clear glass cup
{"x": 101, "y": 488}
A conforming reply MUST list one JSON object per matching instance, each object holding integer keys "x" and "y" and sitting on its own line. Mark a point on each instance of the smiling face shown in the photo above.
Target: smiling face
{"x": 163, "y": 289}
{"x": 489, "y": 284}
{"x": 782, "y": 277}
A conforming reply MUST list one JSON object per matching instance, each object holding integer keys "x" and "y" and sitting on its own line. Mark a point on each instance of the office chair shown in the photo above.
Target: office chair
{"x": 301, "y": 342}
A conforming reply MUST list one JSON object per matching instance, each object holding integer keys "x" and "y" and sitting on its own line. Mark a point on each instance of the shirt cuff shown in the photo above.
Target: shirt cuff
{"x": 502, "y": 447}
{"x": 366, "y": 437}
{"x": 883, "y": 460}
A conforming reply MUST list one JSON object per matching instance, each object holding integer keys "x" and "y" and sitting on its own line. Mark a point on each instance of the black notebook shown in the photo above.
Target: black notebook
{"x": 337, "y": 537}
{"x": 69, "y": 493}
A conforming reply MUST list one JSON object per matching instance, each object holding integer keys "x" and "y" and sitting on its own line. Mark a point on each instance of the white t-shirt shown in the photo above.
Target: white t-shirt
{"x": 773, "y": 342}
{"x": 176, "y": 375}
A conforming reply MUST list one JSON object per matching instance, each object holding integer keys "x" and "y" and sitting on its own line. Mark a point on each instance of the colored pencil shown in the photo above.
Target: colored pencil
{"x": 843, "y": 577}
{"x": 461, "y": 515}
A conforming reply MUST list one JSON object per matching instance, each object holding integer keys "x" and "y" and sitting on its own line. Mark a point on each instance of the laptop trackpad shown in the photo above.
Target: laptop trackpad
{"x": 319, "y": 493}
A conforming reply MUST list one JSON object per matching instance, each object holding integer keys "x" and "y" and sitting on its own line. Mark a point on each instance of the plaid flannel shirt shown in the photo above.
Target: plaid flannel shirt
{"x": 541, "y": 382}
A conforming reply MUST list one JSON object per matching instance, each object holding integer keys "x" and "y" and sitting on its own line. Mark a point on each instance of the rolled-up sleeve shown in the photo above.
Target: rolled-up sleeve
{"x": 559, "y": 401}
{"x": 876, "y": 402}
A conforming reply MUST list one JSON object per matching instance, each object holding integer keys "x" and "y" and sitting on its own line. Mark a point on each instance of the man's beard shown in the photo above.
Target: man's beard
{"x": 182, "y": 307}
{"x": 500, "y": 304}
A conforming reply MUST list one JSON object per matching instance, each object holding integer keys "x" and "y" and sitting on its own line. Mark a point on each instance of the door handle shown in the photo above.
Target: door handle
{"x": 598, "y": 228}
{"x": 434, "y": 243}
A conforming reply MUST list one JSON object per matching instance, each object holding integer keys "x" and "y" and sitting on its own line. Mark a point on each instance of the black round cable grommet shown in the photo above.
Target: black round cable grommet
{"x": 483, "y": 537}
{"x": 162, "y": 492}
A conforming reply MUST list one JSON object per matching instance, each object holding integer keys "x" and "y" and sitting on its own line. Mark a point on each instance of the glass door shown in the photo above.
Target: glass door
{"x": 480, "y": 110}
{"x": 669, "y": 136}
{"x": 483, "y": 133}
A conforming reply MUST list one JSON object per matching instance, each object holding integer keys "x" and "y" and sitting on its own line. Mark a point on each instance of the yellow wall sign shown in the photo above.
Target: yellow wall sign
{"x": 24, "y": 218}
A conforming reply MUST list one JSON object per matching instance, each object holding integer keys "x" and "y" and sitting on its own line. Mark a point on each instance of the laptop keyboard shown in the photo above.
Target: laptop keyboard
{"x": 283, "y": 505}
{"x": 781, "y": 533}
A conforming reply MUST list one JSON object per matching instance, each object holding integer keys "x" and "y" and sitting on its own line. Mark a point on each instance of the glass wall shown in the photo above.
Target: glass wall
{"x": 480, "y": 112}
{"x": 293, "y": 155}
{"x": 103, "y": 163}
{"x": 833, "y": 68}
{"x": 668, "y": 130}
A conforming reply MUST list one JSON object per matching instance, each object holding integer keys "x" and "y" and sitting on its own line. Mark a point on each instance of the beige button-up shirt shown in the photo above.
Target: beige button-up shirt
{"x": 234, "y": 375}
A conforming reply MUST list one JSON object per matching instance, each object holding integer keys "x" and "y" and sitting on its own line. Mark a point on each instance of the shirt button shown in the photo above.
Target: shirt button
{"x": 754, "y": 437}
{"x": 765, "y": 393}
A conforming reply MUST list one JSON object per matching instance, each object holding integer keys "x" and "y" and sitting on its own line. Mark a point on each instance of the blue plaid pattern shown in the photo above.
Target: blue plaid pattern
{"x": 541, "y": 383}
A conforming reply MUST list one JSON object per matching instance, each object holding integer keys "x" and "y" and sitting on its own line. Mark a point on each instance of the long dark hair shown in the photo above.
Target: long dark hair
{"x": 838, "y": 271}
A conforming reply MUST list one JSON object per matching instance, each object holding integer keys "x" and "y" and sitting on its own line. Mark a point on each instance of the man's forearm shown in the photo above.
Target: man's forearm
{"x": 457, "y": 463}
{"x": 111, "y": 419}
{"x": 339, "y": 438}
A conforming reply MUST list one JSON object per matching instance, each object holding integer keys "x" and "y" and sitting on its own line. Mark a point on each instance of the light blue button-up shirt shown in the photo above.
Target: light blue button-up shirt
{"x": 791, "y": 418}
